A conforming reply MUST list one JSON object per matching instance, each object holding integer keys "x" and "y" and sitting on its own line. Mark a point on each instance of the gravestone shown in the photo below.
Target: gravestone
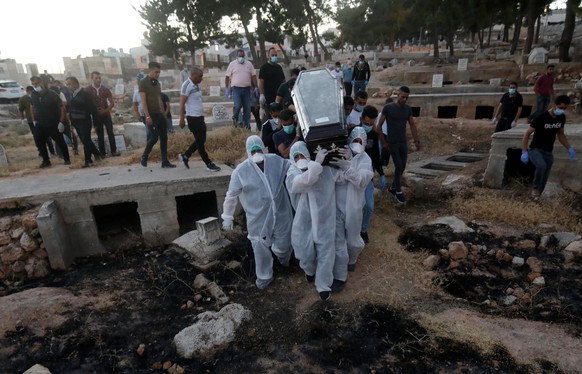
{"x": 220, "y": 113}
{"x": 3, "y": 158}
{"x": 537, "y": 56}
{"x": 462, "y": 65}
{"x": 495, "y": 82}
{"x": 119, "y": 144}
{"x": 214, "y": 90}
{"x": 119, "y": 89}
{"x": 437, "y": 80}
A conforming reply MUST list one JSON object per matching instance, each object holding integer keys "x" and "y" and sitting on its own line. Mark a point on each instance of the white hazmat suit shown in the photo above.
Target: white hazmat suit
{"x": 357, "y": 173}
{"x": 312, "y": 193}
{"x": 267, "y": 207}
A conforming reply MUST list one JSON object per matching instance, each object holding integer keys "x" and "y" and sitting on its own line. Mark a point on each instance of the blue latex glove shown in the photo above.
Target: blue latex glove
{"x": 366, "y": 83}
{"x": 227, "y": 93}
{"x": 353, "y": 82}
{"x": 524, "y": 157}
{"x": 572, "y": 153}
{"x": 382, "y": 182}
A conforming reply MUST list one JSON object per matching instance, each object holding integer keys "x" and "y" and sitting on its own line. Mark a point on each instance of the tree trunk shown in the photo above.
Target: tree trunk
{"x": 263, "y": 53}
{"x": 538, "y": 24}
{"x": 435, "y": 45}
{"x": 249, "y": 35}
{"x": 285, "y": 57}
{"x": 516, "y": 32}
{"x": 506, "y": 33}
{"x": 532, "y": 13}
{"x": 490, "y": 29}
{"x": 481, "y": 35}
{"x": 570, "y": 22}
{"x": 451, "y": 39}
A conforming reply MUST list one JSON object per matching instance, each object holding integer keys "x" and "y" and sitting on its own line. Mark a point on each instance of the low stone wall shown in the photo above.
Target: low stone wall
{"x": 22, "y": 251}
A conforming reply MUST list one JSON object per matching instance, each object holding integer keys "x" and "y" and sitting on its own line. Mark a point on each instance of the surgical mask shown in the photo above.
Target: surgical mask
{"x": 356, "y": 148}
{"x": 274, "y": 59}
{"x": 240, "y": 60}
{"x": 37, "y": 88}
{"x": 337, "y": 69}
{"x": 361, "y": 62}
{"x": 289, "y": 129}
{"x": 512, "y": 91}
{"x": 275, "y": 121}
{"x": 257, "y": 158}
{"x": 558, "y": 111}
{"x": 359, "y": 108}
{"x": 302, "y": 164}
{"x": 367, "y": 128}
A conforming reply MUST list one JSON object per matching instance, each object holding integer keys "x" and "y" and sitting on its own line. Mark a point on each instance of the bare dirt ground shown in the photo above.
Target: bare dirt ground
{"x": 393, "y": 316}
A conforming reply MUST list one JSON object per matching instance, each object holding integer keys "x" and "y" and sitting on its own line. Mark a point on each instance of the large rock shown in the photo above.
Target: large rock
{"x": 573, "y": 252}
{"x": 431, "y": 262}
{"x": 565, "y": 238}
{"x": 28, "y": 243}
{"x": 212, "y": 331}
{"x": 14, "y": 253}
{"x": 535, "y": 265}
{"x": 206, "y": 244}
{"x": 5, "y": 223}
{"x": 29, "y": 222}
{"x": 5, "y": 238}
{"x": 37, "y": 369}
{"x": 457, "y": 250}
{"x": 454, "y": 223}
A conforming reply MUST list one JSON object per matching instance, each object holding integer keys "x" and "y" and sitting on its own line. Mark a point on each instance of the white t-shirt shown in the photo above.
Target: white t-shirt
{"x": 193, "y": 103}
{"x": 354, "y": 118}
{"x": 137, "y": 99}
{"x": 339, "y": 75}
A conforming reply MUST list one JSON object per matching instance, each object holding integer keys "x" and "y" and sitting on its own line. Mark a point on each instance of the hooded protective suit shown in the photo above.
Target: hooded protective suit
{"x": 268, "y": 211}
{"x": 312, "y": 193}
{"x": 350, "y": 201}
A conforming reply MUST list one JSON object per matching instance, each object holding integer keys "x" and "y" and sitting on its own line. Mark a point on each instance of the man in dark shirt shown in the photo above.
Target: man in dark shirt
{"x": 271, "y": 126}
{"x": 510, "y": 108}
{"x": 49, "y": 114}
{"x": 396, "y": 115}
{"x": 271, "y": 76}
{"x": 544, "y": 89}
{"x": 288, "y": 135}
{"x": 284, "y": 93}
{"x": 545, "y": 128}
{"x": 104, "y": 102}
{"x": 361, "y": 74}
{"x": 151, "y": 99}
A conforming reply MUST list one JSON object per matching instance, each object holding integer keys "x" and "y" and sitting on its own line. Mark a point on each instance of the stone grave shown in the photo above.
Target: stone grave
{"x": 220, "y": 113}
{"x": 462, "y": 65}
{"x": 214, "y": 90}
{"x": 119, "y": 143}
{"x": 3, "y": 158}
{"x": 437, "y": 80}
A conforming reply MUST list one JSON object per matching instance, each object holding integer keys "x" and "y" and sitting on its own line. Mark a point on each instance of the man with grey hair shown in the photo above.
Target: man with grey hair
{"x": 191, "y": 107}
{"x": 241, "y": 78}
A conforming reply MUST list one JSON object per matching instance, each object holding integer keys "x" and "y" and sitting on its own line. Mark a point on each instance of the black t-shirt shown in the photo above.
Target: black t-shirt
{"x": 267, "y": 136}
{"x": 47, "y": 107}
{"x": 273, "y": 76}
{"x": 284, "y": 92}
{"x": 165, "y": 103}
{"x": 546, "y": 128}
{"x": 510, "y": 105}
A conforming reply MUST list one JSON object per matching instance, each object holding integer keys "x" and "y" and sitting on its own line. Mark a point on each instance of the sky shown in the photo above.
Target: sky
{"x": 66, "y": 28}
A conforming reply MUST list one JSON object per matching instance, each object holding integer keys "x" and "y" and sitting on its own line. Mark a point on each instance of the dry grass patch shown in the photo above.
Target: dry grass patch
{"x": 490, "y": 205}
{"x": 447, "y": 136}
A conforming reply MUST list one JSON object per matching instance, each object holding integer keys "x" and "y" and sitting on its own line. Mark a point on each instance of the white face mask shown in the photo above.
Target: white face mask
{"x": 356, "y": 148}
{"x": 240, "y": 60}
{"x": 37, "y": 88}
{"x": 257, "y": 158}
{"x": 302, "y": 164}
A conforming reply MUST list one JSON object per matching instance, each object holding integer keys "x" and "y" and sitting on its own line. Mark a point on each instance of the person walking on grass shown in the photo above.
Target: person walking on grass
{"x": 545, "y": 128}
{"x": 191, "y": 107}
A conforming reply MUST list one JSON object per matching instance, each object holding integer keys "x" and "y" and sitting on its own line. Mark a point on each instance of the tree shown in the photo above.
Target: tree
{"x": 534, "y": 9}
{"x": 570, "y": 22}
{"x": 177, "y": 27}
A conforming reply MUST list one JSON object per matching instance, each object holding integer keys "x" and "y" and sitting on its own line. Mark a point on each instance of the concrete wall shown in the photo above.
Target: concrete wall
{"x": 564, "y": 171}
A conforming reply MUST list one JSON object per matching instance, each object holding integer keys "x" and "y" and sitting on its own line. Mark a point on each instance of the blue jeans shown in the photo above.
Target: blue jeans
{"x": 542, "y": 104}
{"x": 543, "y": 161}
{"x": 368, "y": 206}
{"x": 157, "y": 130}
{"x": 242, "y": 99}
{"x": 359, "y": 86}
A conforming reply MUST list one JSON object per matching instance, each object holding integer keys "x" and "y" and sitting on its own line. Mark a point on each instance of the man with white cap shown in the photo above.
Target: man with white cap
{"x": 258, "y": 183}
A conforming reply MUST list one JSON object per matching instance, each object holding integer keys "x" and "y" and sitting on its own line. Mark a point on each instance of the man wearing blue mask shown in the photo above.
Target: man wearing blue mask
{"x": 288, "y": 135}
{"x": 240, "y": 79}
{"x": 545, "y": 128}
{"x": 271, "y": 126}
{"x": 360, "y": 102}
{"x": 271, "y": 76}
{"x": 509, "y": 107}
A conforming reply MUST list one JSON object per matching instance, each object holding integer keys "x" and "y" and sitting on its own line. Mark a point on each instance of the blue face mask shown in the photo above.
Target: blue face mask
{"x": 289, "y": 129}
{"x": 367, "y": 128}
{"x": 558, "y": 111}
{"x": 240, "y": 60}
{"x": 274, "y": 59}
{"x": 359, "y": 108}
{"x": 512, "y": 91}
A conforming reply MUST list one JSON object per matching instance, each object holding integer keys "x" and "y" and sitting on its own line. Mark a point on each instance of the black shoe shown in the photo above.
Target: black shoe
{"x": 143, "y": 161}
{"x": 212, "y": 167}
{"x": 392, "y": 191}
{"x": 337, "y": 285}
{"x": 115, "y": 154}
{"x": 309, "y": 278}
{"x": 351, "y": 267}
{"x": 184, "y": 160}
{"x": 98, "y": 157}
{"x": 364, "y": 236}
{"x": 325, "y": 295}
{"x": 45, "y": 164}
{"x": 68, "y": 162}
{"x": 86, "y": 164}
{"x": 400, "y": 198}
{"x": 167, "y": 165}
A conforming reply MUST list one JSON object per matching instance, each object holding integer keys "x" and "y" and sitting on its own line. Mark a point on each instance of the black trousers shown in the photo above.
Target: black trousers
{"x": 42, "y": 134}
{"x": 198, "y": 128}
{"x": 158, "y": 129}
{"x": 107, "y": 122}
{"x": 49, "y": 142}
{"x": 83, "y": 128}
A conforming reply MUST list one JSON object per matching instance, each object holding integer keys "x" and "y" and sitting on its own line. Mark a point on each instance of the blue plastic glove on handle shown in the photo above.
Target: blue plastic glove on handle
{"x": 366, "y": 83}
{"x": 524, "y": 157}
{"x": 382, "y": 182}
{"x": 227, "y": 92}
{"x": 572, "y": 153}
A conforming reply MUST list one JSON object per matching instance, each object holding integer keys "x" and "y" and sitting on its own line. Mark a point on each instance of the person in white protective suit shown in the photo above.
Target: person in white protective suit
{"x": 258, "y": 183}
{"x": 357, "y": 173}
{"x": 311, "y": 187}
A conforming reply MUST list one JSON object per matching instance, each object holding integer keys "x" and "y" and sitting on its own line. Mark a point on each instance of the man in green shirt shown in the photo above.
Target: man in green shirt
{"x": 26, "y": 116}
{"x": 151, "y": 98}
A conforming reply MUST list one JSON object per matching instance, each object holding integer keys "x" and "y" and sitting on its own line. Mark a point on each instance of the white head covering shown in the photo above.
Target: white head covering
{"x": 298, "y": 147}
{"x": 253, "y": 142}
{"x": 358, "y": 132}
